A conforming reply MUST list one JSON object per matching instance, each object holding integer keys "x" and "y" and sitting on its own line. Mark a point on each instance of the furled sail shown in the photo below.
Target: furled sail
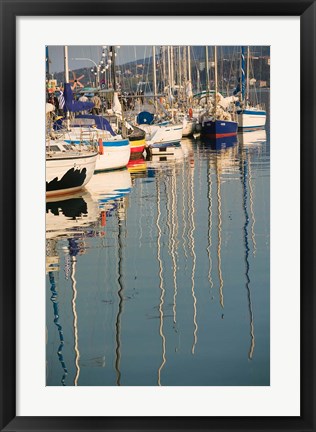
{"x": 74, "y": 106}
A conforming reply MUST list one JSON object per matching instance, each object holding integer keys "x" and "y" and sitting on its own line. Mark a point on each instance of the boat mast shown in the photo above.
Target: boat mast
{"x": 164, "y": 67}
{"x": 169, "y": 70}
{"x": 47, "y": 63}
{"x": 243, "y": 79}
{"x": 112, "y": 51}
{"x": 185, "y": 75}
{"x": 215, "y": 78}
{"x": 189, "y": 63}
{"x": 172, "y": 67}
{"x": 66, "y": 67}
{"x": 179, "y": 71}
{"x": 248, "y": 70}
{"x": 207, "y": 77}
{"x": 66, "y": 70}
{"x": 185, "y": 72}
{"x": 154, "y": 76}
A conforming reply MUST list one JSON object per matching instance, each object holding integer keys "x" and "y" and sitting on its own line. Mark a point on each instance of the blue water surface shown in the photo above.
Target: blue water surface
{"x": 160, "y": 274}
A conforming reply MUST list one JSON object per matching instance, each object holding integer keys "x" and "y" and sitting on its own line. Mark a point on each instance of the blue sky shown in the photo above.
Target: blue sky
{"x": 124, "y": 54}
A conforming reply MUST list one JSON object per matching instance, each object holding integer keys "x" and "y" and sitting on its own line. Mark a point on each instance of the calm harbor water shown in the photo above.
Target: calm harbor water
{"x": 159, "y": 274}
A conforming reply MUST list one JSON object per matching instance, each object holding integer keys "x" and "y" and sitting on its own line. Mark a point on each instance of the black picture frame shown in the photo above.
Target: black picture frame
{"x": 10, "y": 9}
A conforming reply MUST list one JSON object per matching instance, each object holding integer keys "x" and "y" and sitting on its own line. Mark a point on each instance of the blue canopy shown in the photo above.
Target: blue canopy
{"x": 74, "y": 106}
{"x": 99, "y": 121}
{"x": 145, "y": 117}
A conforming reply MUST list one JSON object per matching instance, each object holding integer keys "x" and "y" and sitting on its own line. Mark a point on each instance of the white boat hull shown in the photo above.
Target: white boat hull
{"x": 162, "y": 134}
{"x": 113, "y": 157}
{"x": 252, "y": 119}
{"x": 67, "y": 174}
{"x": 115, "y": 151}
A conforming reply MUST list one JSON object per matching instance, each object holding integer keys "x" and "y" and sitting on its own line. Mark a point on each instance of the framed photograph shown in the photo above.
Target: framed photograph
{"x": 164, "y": 278}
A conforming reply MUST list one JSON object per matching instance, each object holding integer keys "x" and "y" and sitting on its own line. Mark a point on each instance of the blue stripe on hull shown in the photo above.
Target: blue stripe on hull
{"x": 121, "y": 143}
{"x": 253, "y": 112}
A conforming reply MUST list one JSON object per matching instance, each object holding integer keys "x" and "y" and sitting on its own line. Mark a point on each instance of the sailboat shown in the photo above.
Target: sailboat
{"x": 135, "y": 135}
{"x": 161, "y": 136}
{"x": 249, "y": 117}
{"x": 114, "y": 151}
{"x": 68, "y": 168}
{"x": 186, "y": 113}
{"x": 220, "y": 124}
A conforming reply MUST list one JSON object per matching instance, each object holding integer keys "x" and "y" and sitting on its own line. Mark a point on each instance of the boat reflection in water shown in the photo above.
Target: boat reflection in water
{"x": 220, "y": 143}
{"x": 166, "y": 272}
{"x": 252, "y": 138}
{"x": 70, "y": 214}
{"x": 70, "y": 223}
{"x": 137, "y": 168}
{"x": 109, "y": 186}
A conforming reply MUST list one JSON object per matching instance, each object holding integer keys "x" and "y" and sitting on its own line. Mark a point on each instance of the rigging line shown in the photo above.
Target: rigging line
{"x": 256, "y": 99}
{"x": 75, "y": 320}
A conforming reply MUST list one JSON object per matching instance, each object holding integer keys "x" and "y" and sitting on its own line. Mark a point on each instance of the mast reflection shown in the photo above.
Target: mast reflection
{"x": 244, "y": 177}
